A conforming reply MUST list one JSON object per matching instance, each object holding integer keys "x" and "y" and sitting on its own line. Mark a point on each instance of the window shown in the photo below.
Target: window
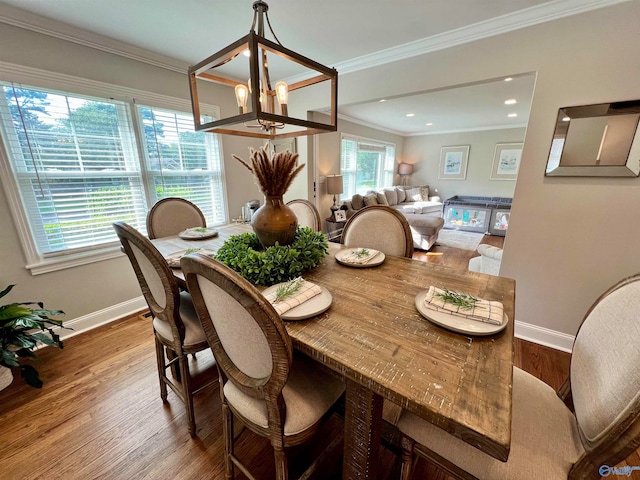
{"x": 365, "y": 165}
{"x": 181, "y": 162}
{"x": 77, "y": 166}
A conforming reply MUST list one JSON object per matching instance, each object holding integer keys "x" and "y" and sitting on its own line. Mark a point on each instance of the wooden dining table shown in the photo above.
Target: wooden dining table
{"x": 374, "y": 337}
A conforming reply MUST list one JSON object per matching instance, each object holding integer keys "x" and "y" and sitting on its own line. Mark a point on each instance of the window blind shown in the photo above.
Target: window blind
{"x": 76, "y": 165}
{"x": 182, "y": 162}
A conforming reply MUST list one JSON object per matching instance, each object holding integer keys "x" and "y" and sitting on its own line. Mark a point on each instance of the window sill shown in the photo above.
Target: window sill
{"x": 53, "y": 264}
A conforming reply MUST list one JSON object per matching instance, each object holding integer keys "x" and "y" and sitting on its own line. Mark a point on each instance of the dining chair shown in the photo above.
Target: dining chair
{"x": 582, "y": 431}
{"x": 274, "y": 392}
{"x": 379, "y": 227}
{"x": 171, "y": 216}
{"x": 176, "y": 327}
{"x": 307, "y": 214}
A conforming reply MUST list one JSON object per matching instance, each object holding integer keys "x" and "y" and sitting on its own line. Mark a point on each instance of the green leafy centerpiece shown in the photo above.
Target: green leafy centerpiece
{"x": 275, "y": 264}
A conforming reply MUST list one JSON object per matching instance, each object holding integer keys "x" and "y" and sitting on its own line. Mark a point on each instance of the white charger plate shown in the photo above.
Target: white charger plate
{"x": 455, "y": 323}
{"x": 173, "y": 260}
{"x": 194, "y": 234}
{"x": 312, "y": 307}
{"x": 343, "y": 255}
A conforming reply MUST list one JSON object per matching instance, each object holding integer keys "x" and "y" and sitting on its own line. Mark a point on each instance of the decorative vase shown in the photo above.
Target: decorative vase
{"x": 274, "y": 222}
{"x": 6, "y": 377}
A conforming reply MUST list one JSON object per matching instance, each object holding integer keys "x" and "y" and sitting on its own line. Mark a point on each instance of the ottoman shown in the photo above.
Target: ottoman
{"x": 424, "y": 229}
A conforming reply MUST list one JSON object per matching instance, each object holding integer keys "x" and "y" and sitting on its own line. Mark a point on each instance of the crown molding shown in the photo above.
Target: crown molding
{"x": 496, "y": 26}
{"x": 53, "y": 28}
{"x": 370, "y": 125}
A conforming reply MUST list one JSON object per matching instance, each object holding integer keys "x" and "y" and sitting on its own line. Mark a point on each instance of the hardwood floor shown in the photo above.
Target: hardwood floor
{"x": 100, "y": 415}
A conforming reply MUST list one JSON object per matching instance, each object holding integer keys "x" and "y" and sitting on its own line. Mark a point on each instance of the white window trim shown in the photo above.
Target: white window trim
{"x": 9, "y": 72}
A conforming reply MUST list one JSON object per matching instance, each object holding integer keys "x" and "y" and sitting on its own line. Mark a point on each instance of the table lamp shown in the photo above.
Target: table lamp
{"x": 404, "y": 170}
{"x": 334, "y": 187}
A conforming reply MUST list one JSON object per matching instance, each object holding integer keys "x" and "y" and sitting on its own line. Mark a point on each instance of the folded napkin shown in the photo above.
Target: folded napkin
{"x": 306, "y": 291}
{"x": 482, "y": 311}
{"x": 360, "y": 256}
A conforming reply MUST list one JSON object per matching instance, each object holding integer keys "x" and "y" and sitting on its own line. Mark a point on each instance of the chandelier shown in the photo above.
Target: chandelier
{"x": 263, "y": 108}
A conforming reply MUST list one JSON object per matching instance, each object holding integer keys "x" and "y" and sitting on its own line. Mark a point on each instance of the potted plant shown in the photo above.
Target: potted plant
{"x": 274, "y": 222}
{"x": 19, "y": 338}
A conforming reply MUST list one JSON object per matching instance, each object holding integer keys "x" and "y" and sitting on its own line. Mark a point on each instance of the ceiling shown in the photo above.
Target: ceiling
{"x": 348, "y": 35}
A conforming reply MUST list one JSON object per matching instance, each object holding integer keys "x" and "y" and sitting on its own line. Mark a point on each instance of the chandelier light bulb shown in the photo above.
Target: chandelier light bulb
{"x": 282, "y": 93}
{"x": 242, "y": 93}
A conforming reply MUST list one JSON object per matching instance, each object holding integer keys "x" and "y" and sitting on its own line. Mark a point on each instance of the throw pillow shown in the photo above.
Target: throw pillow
{"x": 357, "y": 202}
{"x": 414, "y": 195}
{"x": 424, "y": 193}
{"x": 392, "y": 196}
{"x": 371, "y": 199}
{"x": 402, "y": 194}
{"x": 382, "y": 199}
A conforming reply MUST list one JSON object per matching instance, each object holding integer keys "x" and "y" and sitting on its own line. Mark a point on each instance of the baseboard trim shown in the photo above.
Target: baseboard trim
{"x": 544, "y": 336}
{"x": 102, "y": 317}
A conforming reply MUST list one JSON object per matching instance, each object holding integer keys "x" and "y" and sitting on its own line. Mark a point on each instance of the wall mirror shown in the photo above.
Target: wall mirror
{"x": 600, "y": 140}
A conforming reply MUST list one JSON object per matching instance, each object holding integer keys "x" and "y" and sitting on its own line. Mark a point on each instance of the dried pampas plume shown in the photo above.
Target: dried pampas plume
{"x": 274, "y": 174}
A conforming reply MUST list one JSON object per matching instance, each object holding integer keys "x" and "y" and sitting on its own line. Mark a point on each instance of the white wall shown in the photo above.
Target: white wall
{"x": 569, "y": 238}
{"x": 424, "y": 152}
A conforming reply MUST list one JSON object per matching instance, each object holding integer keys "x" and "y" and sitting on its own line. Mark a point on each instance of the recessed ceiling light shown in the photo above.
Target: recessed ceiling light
{"x": 566, "y": 119}
{"x": 246, "y": 53}
{"x": 411, "y": 114}
{"x": 508, "y": 79}
{"x": 383, "y": 100}
{"x": 511, "y": 115}
{"x": 511, "y": 101}
{"x": 429, "y": 124}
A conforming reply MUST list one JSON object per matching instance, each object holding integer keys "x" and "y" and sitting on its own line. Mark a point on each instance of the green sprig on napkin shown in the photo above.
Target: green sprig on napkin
{"x": 462, "y": 300}
{"x": 288, "y": 289}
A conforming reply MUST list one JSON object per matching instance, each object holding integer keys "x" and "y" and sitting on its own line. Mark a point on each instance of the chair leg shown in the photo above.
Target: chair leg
{"x": 227, "y": 431}
{"x": 187, "y": 392}
{"x": 407, "y": 457}
{"x": 282, "y": 470}
{"x": 161, "y": 370}
{"x": 175, "y": 369}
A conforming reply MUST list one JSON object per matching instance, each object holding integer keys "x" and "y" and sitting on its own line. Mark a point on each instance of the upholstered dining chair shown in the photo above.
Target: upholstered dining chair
{"x": 177, "y": 330}
{"x": 275, "y": 393}
{"x": 380, "y": 227}
{"x": 307, "y": 213}
{"x": 171, "y": 216}
{"x": 549, "y": 438}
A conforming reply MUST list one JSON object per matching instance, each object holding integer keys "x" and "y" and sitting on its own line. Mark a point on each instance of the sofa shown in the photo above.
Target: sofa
{"x": 488, "y": 261}
{"x": 422, "y": 213}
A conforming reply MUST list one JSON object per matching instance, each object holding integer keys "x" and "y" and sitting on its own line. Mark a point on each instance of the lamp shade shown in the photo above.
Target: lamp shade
{"x": 405, "y": 169}
{"x": 334, "y": 184}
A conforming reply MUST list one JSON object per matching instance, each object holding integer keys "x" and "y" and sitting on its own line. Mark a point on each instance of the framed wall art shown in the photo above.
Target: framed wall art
{"x": 453, "y": 162}
{"x": 506, "y": 161}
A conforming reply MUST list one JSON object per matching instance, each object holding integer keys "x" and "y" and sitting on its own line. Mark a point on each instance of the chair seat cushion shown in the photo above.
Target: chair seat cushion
{"x": 544, "y": 437}
{"x": 193, "y": 334}
{"x": 308, "y": 394}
